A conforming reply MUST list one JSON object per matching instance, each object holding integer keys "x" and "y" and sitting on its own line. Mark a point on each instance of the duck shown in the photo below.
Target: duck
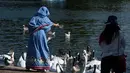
{"x": 22, "y": 60}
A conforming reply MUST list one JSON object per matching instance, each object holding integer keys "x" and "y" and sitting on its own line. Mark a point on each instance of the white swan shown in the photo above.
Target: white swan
{"x": 56, "y": 64}
{"x": 92, "y": 70}
{"x": 7, "y": 59}
{"x": 85, "y": 55}
{"x": 25, "y": 29}
{"x": 94, "y": 62}
{"x": 59, "y": 68}
{"x": 22, "y": 60}
{"x": 52, "y": 36}
{"x": 67, "y": 37}
{"x": 75, "y": 67}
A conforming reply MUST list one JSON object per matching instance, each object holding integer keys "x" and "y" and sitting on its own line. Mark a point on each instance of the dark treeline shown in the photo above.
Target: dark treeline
{"x": 88, "y": 4}
{"x": 19, "y": 3}
{"x": 69, "y": 4}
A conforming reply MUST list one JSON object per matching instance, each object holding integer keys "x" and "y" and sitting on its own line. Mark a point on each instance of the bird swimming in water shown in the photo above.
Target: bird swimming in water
{"x": 51, "y": 35}
{"x": 25, "y": 29}
{"x": 67, "y": 36}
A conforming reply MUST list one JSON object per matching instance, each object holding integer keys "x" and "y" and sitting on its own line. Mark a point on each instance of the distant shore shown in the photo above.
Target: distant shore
{"x": 20, "y": 3}
{"x": 24, "y": 2}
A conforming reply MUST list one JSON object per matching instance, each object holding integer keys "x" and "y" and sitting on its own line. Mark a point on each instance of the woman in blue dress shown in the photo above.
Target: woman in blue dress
{"x": 38, "y": 53}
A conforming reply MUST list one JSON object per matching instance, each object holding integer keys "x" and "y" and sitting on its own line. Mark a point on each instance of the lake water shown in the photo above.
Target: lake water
{"x": 85, "y": 25}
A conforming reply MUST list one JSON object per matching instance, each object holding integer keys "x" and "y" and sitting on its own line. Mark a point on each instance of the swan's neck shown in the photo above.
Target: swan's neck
{"x": 86, "y": 59}
{"x": 94, "y": 71}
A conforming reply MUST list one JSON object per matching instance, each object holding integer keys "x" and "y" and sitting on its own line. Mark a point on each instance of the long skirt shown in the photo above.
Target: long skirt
{"x": 38, "y": 53}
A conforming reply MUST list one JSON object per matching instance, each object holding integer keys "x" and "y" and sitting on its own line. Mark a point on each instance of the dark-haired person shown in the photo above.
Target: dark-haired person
{"x": 112, "y": 45}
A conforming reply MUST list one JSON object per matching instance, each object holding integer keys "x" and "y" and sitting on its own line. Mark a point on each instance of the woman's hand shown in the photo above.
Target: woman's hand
{"x": 57, "y": 25}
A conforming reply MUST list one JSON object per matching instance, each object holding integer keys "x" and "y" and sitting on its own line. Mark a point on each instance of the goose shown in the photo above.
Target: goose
{"x": 22, "y": 60}
{"x": 25, "y": 29}
{"x": 67, "y": 36}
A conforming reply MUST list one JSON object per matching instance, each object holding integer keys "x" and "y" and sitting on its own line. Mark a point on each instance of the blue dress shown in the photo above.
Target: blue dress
{"x": 38, "y": 52}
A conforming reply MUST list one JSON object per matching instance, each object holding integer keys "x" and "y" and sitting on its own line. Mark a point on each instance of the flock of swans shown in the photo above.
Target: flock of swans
{"x": 85, "y": 61}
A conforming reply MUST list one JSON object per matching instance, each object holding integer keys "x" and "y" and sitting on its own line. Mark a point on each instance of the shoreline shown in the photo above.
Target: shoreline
{"x": 15, "y": 69}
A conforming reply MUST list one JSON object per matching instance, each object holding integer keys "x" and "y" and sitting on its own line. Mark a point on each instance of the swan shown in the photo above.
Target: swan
{"x": 75, "y": 67}
{"x": 25, "y": 29}
{"x": 92, "y": 70}
{"x": 22, "y": 60}
{"x": 94, "y": 62}
{"x": 7, "y": 59}
{"x": 52, "y": 36}
{"x": 55, "y": 64}
{"x": 59, "y": 68}
{"x": 67, "y": 36}
{"x": 85, "y": 55}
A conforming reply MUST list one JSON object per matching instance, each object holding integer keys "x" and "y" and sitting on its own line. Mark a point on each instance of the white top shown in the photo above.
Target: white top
{"x": 116, "y": 47}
